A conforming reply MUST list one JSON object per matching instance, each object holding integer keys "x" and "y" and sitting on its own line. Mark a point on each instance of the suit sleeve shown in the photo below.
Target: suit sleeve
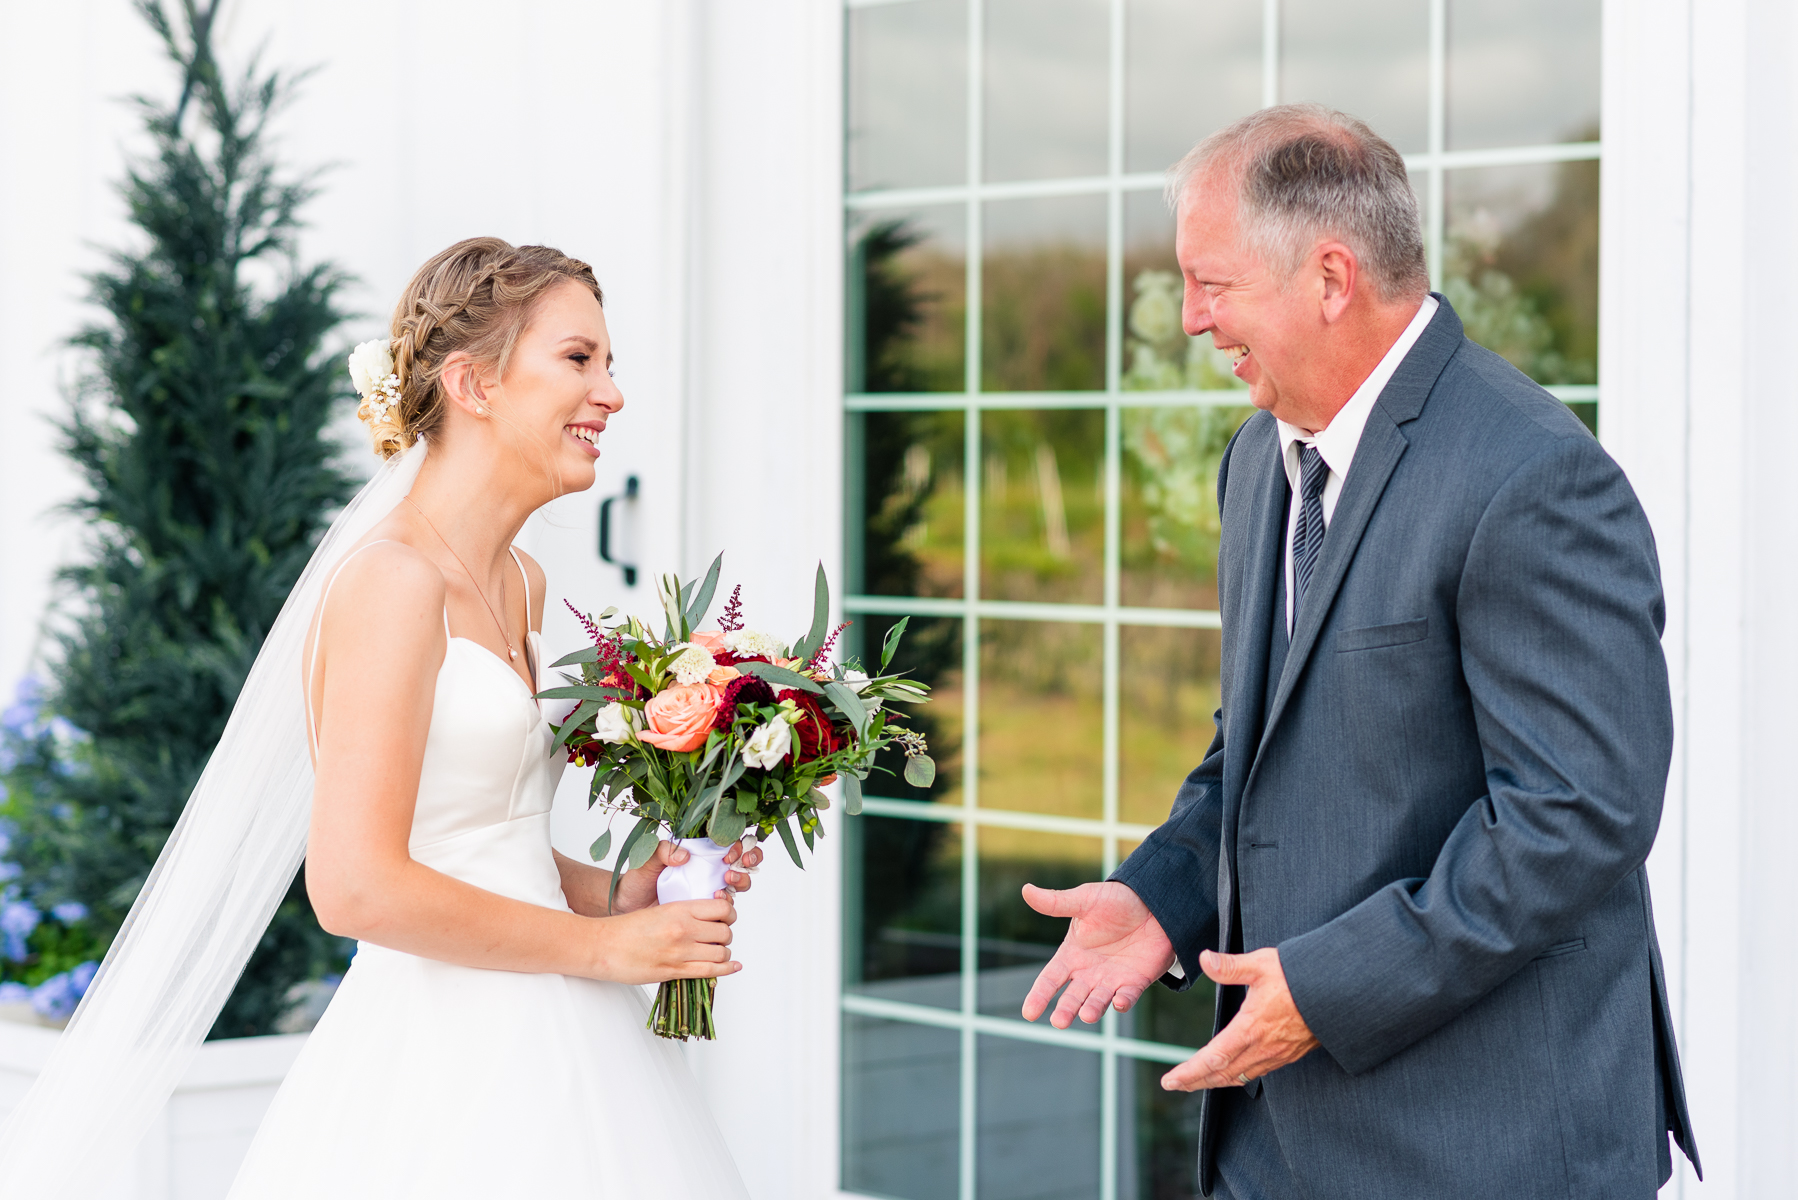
{"x": 1174, "y": 871}
{"x": 1559, "y": 611}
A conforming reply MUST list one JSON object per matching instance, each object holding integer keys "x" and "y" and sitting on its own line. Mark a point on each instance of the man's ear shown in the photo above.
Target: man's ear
{"x": 1338, "y": 274}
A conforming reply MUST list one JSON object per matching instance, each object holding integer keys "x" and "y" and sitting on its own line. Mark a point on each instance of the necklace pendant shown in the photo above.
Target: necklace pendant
{"x": 513, "y": 653}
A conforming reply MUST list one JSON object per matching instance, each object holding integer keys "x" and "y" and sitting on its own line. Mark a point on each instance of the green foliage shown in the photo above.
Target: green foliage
{"x": 199, "y": 431}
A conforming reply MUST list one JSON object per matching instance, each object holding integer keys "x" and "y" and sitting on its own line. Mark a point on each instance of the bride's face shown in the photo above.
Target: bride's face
{"x": 558, "y": 392}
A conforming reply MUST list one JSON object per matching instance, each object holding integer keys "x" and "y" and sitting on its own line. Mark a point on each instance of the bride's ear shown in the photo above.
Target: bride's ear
{"x": 465, "y": 384}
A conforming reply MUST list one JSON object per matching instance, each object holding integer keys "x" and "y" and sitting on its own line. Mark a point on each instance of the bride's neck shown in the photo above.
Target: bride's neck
{"x": 474, "y": 502}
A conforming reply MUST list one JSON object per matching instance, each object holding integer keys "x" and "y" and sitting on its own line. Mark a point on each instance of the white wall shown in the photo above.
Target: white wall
{"x": 688, "y": 149}
{"x": 1700, "y": 138}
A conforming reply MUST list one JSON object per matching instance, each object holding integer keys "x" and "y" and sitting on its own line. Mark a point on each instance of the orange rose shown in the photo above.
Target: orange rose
{"x": 722, "y": 675}
{"x": 681, "y": 716}
{"x": 711, "y": 639}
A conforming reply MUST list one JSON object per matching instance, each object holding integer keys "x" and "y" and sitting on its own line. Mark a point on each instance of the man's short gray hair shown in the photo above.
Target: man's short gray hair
{"x": 1307, "y": 172}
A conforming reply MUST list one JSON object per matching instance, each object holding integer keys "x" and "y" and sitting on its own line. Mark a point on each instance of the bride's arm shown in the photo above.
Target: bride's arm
{"x": 382, "y": 643}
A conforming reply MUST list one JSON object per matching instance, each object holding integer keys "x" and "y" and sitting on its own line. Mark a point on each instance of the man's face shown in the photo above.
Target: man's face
{"x": 1267, "y": 327}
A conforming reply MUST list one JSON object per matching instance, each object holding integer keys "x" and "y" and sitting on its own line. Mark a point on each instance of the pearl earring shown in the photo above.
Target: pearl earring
{"x": 479, "y": 411}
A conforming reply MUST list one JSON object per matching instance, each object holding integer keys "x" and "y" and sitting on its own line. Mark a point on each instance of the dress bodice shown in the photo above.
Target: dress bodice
{"x": 489, "y": 774}
{"x": 489, "y": 777}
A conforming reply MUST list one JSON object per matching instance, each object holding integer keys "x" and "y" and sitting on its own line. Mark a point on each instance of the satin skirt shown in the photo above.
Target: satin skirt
{"x": 425, "y": 1079}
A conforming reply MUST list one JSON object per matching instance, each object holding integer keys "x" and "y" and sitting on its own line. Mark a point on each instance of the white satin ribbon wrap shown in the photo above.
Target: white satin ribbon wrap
{"x": 201, "y": 912}
{"x": 699, "y": 878}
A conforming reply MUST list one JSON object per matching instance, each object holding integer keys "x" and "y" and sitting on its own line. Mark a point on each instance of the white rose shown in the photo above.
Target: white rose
{"x": 370, "y": 363}
{"x": 855, "y": 681}
{"x": 614, "y": 723}
{"x": 768, "y": 745}
{"x": 747, "y": 643}
{"x": 693, "y": 664}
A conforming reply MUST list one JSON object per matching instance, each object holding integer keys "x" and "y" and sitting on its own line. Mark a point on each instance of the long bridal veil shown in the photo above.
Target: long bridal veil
{"x": 200, "y": 914}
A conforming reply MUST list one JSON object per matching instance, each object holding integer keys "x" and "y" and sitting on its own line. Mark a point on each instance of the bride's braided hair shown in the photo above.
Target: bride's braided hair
{"x": 476, "y": 297}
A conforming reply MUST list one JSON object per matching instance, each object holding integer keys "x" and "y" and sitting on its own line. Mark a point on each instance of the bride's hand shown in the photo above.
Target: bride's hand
{"x": 637, "y": 890}
{"x": 685, "y": 940}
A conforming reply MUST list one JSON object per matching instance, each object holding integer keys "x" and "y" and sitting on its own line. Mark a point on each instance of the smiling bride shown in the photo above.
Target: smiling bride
{"x": 488, "y": 1039}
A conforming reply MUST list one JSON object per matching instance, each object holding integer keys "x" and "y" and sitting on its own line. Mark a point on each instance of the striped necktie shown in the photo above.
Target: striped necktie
{"x": 1308, "y": 536}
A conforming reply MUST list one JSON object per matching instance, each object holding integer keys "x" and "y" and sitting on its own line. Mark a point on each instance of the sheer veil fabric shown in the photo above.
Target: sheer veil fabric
{"x": 200, "y": 914}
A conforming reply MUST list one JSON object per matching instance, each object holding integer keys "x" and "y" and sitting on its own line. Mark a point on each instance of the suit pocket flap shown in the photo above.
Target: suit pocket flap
{"x": 1560, "y": 948}
{"x": 1372, "y": 637}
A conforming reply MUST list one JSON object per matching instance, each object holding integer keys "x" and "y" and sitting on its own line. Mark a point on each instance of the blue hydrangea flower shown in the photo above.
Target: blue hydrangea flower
{"x": 83, "y": 976}
{"x": 55, "y": 998}
{"x": 70, "y": 912}
{"x": 14, "y": 993}
{"x": 17, "y": 919}
{"x": 10, "y": 871}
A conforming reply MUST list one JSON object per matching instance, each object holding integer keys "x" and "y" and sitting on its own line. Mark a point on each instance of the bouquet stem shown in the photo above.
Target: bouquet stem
{"x": 683, "y": 1009}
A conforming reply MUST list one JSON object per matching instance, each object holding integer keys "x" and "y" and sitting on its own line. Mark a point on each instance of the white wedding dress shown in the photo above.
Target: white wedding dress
{"x": 425, "y": 1079}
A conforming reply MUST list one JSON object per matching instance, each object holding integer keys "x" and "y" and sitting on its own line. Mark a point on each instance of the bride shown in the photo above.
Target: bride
{"x": 487, "y": 1039}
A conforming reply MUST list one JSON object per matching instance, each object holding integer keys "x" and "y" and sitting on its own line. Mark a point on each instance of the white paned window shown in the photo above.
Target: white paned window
{"x": 1032, "y": 446}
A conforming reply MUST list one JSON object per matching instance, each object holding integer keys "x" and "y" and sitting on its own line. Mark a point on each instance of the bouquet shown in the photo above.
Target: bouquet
{"x": 726, "y": 732}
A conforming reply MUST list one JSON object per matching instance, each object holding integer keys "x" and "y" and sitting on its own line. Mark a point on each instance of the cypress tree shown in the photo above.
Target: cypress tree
{"x": 199, "y": 430}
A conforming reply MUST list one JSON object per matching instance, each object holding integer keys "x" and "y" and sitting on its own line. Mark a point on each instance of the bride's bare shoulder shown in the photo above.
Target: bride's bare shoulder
{"x": 388, "y": 589}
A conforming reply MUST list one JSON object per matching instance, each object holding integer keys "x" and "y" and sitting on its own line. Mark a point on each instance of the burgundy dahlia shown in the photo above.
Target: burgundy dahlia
{"x": 744, "y": 689}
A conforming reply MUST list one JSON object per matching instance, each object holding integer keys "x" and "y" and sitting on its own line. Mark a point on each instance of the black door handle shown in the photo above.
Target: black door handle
{"x": 605, "y": 531}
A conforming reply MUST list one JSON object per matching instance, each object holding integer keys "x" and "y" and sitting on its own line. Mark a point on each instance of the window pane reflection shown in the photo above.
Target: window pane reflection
{"x": 1521, "y": 265}
{"x": 1047, "y": 79}
{"x": 906, "y": 935}
{"x": 1043, "y": 295}
{"x": 1158, "y": 1135}
{"x": 1189, "y": 71}
{"x": 1015, "y": 939}
{"x": 1370, "y": 59}
{"x": 1041, "y": 718}
{"x": 907, "y": 492}
{"x": 1039, "y": 1122}
{"x": 906, "y": 301}
{"x": 1522, "y": 73}
{"x": 1158, "y": 356}
{"x": 901, "y": 1108}
{"x": 1169, "y": 511}
{"x": 1168, "y": 693}
{"x": 1042, "y": 505}
{"x": 907, "y": 85}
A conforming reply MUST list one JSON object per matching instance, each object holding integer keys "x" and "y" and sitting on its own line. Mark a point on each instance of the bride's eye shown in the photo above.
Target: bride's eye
{"x": 580, "y": 359}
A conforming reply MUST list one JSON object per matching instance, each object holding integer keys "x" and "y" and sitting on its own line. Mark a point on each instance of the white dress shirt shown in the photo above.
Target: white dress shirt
{"x": 1337, "y": 441}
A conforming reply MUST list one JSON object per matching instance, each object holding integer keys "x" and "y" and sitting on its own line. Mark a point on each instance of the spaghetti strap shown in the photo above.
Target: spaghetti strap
{"x": 530, "y": 660}
{"x": 319, "y": 635}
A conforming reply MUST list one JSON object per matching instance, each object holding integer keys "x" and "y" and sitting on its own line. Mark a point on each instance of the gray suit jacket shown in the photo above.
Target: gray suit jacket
{"x": 1442, "y": 820}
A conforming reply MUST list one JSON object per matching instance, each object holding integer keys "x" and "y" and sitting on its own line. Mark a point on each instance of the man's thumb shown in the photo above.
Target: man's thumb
{"x": 1052, "y": 903}
{"x": 1227, "y": 968}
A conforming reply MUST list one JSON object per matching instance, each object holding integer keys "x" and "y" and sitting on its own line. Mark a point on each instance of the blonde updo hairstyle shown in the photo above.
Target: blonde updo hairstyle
{"x": 476, "y": 297}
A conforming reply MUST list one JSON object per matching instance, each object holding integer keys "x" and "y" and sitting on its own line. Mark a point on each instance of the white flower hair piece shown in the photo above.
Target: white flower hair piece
{"x": 371, "y": 370}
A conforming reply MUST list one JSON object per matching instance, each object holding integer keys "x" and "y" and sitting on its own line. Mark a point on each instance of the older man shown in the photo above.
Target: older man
{"x": 1419, "y": 833}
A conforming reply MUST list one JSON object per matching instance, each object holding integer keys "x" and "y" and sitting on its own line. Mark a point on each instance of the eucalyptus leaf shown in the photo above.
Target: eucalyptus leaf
{"x": 727, "y": 824}
{"x": 781, "y": 676}
{"x": 598, "y": 851}
{"x": 786, "y": 837}
{"x": 575, "y": 720}
{"x": 814, "y": 638}
{"x": 590, "y": 654}
{"x": 703, "y": 600}
{"x": 817, "y": 799}
{"x": 891, "y": 644}
{"x": 852, "y": 795}
{"x": 920, "y": 770}
{"x": 851, "y": 706}
{"x": 643, "y": 851}
{"x": 581, "y": 691}
{"x": 630, "y": 844}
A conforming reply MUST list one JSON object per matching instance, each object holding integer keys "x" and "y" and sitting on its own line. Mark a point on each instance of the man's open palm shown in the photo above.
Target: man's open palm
{"x": 1113, "y": 951}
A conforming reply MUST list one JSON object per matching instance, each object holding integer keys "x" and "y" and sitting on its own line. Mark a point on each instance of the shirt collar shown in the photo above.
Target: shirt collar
{"x": 1336, "y": 442}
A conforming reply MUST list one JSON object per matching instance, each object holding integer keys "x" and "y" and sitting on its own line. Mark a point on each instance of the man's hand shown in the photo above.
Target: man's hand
{"x": 1114, "y": 949}
{"x": 1265, "y": 1035}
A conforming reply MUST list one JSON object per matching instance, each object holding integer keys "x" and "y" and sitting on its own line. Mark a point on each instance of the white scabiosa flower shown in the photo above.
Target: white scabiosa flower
{"x": 614, "y": 723}
{"x": 370, "y": 365}
{"x": 748, "y": 643}
{"x": 692, "y": 664}
{"x": 768, "y": 745}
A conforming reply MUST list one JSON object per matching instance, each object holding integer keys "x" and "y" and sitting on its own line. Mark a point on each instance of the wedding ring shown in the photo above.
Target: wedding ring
{"x": 1241, "y": 1078}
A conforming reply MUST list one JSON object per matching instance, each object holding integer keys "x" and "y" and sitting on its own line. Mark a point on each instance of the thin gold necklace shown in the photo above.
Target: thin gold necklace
{"x": 510, "y": 648}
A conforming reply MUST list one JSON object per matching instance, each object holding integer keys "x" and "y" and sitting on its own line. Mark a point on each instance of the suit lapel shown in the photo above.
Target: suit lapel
{"x": 1377, "y": 455}
{"x": 1250, "y": 619}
